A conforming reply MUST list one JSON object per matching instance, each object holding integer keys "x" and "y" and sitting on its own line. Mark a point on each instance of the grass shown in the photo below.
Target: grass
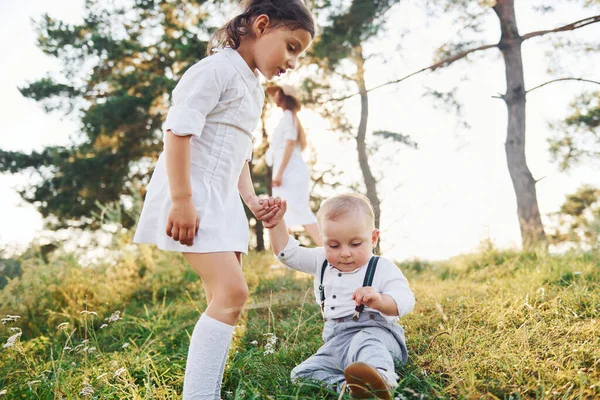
{"x": 491, "y": 325}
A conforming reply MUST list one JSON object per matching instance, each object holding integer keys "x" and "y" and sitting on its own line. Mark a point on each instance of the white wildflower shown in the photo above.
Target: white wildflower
{"x": 15, "y": 329}
{"x": 268, "y": 350}
{"x": 254, "y": 342}
{"x": 271, "y": 340}
{"x": 125, "y": 345}
{"x": 9, "y": 318}
{"x": 119, "y": 372}
{"x": 103, "y": 326}
{"x": 12, "y": 340}
{"x": 3, "y": 392}
{"x": 87, "y": 391}
{"x": 114, "y": 317}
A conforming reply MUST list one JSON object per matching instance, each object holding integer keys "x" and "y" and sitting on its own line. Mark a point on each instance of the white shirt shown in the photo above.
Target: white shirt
{"x": 339, "y": 286}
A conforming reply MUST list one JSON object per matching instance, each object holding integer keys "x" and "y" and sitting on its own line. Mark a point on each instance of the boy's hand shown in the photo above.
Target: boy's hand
{"x": 183, "y": 222}
{"x": 272, "y": 223}
{"x": 263, "y": 209}
{"x": 369, "y": 297}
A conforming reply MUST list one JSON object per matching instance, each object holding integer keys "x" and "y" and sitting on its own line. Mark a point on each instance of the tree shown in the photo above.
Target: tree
{"x": 510, "y": 46}
{"x": 119, "y": 67}
{"x": 339, "y": 54}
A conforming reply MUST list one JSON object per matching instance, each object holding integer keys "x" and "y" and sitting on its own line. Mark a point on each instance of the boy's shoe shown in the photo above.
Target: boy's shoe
{"x": 365, "y": 382}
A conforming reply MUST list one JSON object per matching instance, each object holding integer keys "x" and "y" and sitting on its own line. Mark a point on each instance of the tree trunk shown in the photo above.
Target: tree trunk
{"x": 532, "y": 230}
{"x": 361, "y": 147}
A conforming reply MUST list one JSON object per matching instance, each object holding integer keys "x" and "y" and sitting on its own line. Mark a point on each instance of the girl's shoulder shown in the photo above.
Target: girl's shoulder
{"x": 210, "y": 65}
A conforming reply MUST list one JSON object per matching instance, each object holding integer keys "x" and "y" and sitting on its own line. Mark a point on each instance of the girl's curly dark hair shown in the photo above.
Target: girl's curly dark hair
{"x": 291, "y": 13}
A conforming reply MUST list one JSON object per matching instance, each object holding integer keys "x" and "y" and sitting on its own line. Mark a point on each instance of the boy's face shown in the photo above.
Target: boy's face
{"x": 349, "y": 240}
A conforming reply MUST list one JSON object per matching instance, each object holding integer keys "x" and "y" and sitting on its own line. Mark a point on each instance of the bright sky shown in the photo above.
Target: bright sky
{"x": 439, "y": 200}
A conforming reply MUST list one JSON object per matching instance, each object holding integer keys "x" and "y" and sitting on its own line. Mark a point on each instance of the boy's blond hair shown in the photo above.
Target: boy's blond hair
{"x": 342, "y": 204}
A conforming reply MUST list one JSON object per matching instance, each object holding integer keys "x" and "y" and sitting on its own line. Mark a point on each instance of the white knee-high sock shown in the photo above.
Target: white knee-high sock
{"x": 207, "y": 355}
{"x": 218, "y": 390}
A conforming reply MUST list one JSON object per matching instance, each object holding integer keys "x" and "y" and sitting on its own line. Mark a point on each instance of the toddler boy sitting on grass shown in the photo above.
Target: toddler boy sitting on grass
{"x": 361, "y": 297}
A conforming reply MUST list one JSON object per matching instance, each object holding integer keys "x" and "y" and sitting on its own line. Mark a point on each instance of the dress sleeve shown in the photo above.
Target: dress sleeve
{"x": 291, "y": 127}
{"x": 194, "y": 97}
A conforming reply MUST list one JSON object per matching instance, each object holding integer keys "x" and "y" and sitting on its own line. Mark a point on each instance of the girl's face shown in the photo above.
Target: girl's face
{"x": 276, "y": 50}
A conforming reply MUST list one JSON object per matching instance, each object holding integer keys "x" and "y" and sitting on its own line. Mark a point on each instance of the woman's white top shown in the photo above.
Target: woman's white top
{"x": 218, "y": 101}
{"x": 296, "y": 176}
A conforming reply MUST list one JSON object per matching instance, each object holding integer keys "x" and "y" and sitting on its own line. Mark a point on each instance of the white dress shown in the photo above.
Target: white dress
{"x": 218, "y": 101}
{"x": 296, "y": 176}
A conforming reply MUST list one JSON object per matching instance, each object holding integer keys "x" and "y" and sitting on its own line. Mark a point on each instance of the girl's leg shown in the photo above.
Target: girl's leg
{"x": 222, "y": 276}
{"x": 208, "y": 293}
{"x": 315, "y": 235}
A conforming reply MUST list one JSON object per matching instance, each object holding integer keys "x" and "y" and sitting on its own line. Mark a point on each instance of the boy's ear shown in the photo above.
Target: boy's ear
{"x": 261, "y": 25}
{"x": 375, "y": 237}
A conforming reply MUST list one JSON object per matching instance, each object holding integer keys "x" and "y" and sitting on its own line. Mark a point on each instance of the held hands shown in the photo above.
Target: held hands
{"x": 183, "y": 221}
{"x": 272, "y": 223}
{"x": 369, "y": 297}
{"x": 269, "y": 210}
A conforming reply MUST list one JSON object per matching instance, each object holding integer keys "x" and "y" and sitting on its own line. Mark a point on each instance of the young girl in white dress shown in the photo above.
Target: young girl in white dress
{"x": 291, "y": 175}
{"x": 193, "y": 201}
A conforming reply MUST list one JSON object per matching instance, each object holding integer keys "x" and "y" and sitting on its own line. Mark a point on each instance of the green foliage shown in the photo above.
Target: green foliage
{"x": 118, "y": 68}
{"x": 493, "y": 324}
{"x": 397, "y": 137}
{"x": 349, "y": 27}
{"x": 578, "y": 220}
{"x": 578, "y": 137}
{"x": 9, "y": 269}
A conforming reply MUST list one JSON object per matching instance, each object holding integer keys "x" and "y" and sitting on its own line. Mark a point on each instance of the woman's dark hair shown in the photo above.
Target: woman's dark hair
{"x": 292, "y": 104}
{"x": 292, "y": 14}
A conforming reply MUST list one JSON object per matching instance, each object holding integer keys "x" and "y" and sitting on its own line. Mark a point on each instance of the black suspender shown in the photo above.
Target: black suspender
{"x": 322, "y": 288}
{"x": 368, "y": 281}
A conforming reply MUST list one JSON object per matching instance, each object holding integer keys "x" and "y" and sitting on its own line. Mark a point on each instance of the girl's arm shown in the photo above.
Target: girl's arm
{"x": 287, "y": 154}
{"x": 263, "y": 210}
{"x": 183, "y": 221}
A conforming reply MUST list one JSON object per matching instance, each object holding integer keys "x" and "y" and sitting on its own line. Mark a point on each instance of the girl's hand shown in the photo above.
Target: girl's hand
{"x": 277, "y": 180}
{"x": 183, "y": 221}
{"x": 272, "y": 223}
{"x": 369, "y": 297}
{"x": 264, "y": 209}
